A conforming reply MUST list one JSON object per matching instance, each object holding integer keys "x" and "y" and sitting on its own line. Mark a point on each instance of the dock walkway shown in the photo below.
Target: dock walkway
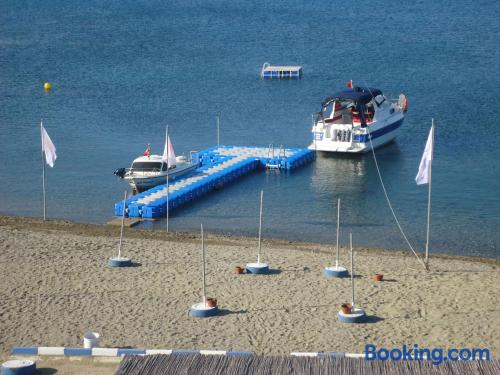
{"x": 218, "y": 167}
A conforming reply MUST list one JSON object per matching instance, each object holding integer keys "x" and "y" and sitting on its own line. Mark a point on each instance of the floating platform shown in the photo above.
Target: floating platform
{"x": 219, "y": 166}
{"x": 269, "y": 71}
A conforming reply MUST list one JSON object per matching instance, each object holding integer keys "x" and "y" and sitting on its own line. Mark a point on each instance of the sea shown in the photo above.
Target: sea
{"x": 121, "y": 71}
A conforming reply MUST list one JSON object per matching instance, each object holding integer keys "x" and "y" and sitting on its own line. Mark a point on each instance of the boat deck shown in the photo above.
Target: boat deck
{"x": 218, "y": 167}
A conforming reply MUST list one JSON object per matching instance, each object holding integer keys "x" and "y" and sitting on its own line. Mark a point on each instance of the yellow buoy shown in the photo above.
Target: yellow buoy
{"x": 47, "y": 86}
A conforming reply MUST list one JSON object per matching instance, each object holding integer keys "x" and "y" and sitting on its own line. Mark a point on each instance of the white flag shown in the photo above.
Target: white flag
{"x": 170, "y": 153}
{"x": 425, "y": 163}
{"x": 48, "y": 147}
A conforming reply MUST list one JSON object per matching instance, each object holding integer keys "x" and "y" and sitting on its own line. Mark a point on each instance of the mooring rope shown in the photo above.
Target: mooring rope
{"x": 387, "y": 195}
{"x": 389, "y": 201}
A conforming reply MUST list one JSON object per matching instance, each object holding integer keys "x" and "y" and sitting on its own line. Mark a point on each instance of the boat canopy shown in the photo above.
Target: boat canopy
{"x": 359, "y": 95}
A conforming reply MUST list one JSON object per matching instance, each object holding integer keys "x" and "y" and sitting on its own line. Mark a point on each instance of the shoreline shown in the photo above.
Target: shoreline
{"x": 56, "y": 285}
{"x": 107, "y": 230}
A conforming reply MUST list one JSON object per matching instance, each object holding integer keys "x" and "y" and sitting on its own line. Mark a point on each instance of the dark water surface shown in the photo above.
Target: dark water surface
{"x": 123, "y": 70}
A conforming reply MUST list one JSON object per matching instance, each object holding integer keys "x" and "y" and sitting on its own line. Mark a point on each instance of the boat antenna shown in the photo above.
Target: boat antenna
{"x": 218, "y": 129}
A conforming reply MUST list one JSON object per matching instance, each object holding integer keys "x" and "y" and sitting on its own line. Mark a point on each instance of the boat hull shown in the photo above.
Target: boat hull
{"x": 360, "y": 143}
{"x": 144, "y": 181}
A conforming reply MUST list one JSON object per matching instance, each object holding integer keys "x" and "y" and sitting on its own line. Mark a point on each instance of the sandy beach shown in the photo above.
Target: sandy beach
{"x": 55, "y": 285}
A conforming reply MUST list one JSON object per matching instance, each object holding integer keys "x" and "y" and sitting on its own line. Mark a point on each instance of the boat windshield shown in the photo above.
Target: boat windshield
{"x": 146, "y": 166}
{"x": 379, "y": 99}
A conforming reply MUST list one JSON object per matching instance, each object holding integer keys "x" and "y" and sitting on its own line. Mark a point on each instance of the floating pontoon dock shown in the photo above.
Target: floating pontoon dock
{"x": 269, "y": 71}
{"x": 218, "y": 167}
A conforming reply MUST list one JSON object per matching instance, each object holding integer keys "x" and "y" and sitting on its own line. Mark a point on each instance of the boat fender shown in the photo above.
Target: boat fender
{"x": 403, "y": 102}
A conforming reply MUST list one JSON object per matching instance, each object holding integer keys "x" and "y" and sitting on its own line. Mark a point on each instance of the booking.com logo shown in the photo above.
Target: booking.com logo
{"x": 436, "y": 355}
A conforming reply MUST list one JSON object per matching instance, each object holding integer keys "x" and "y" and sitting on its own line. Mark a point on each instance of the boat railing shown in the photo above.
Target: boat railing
{"x": 142, "y": 170}
{"x": 270, "y": 151}
{"x": 344, "y": 134}
{"x": 282, "y": 151}
{"x": 319, "y": 117}
{"x": 400, "y": 103}
{"x": 264, "y": 66}
{"x": 191, "y": 153}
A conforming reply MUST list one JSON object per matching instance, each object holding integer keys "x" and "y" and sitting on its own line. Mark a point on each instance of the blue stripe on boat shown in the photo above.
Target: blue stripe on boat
{"x": 378, "y": 133}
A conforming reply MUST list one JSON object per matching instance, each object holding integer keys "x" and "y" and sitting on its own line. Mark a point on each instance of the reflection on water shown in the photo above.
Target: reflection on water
{"x": 353, "y": 178}
{"x": 347, "y": 173}
{"x": 354, "y": 175}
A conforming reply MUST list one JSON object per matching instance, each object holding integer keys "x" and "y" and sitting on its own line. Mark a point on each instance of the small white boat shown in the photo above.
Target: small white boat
{"x": 348, "y": 118}
{"x": 148, "y": 170}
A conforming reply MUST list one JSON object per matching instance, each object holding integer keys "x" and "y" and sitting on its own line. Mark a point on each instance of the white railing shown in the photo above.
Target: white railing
{"x": 264, "y": 66}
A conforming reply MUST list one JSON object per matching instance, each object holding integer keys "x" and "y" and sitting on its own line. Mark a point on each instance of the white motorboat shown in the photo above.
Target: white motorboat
{"x": 349, "y": 118}
{"x": 148, "y": 170}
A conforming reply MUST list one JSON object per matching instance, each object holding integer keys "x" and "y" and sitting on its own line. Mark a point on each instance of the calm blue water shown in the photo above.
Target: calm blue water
{"x": 123, "y": 70}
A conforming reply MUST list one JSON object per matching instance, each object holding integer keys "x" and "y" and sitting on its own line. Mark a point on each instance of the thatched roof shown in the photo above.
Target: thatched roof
{"x": 250, "y": 365}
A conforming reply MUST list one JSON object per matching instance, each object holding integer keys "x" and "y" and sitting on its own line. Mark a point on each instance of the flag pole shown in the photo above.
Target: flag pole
{"x": 260, "y": 225}
{"x": 168, "y": 187}
{"x": 43, "y": 173}
{"x": 314, "y": 126}
{"x": 338, "y": 230}
{"x": 352, "y": 269}
{"x": 123, "y": 223}
{"x": 203, "y": 268}
{"x": 426, "y": 260}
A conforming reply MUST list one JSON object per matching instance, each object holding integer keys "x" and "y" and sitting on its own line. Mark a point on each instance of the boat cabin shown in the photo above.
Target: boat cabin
{"x": 356, "y": 106}
{"x": 153, "y": 163}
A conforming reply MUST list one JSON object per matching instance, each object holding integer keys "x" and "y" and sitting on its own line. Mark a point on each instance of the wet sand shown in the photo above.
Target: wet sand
{"x": 55, "y": 285}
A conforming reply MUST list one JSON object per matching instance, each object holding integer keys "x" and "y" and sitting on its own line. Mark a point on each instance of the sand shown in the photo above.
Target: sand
{"x": 55, "y": 286}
